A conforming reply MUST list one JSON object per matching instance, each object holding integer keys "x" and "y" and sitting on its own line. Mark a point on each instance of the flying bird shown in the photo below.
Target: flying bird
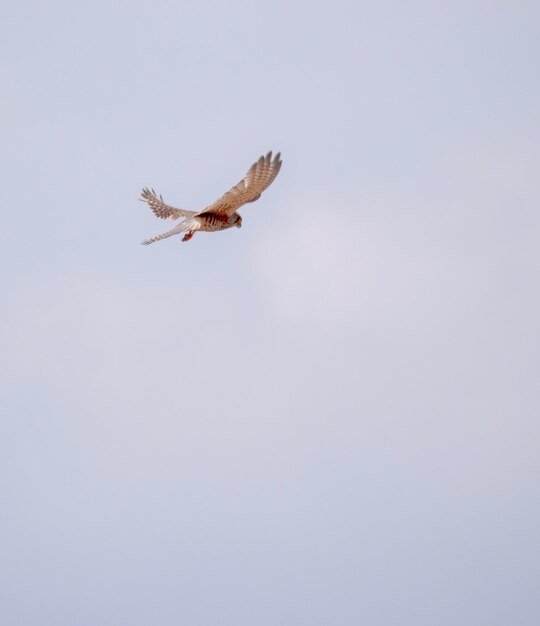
{"x": 222, "y": 213}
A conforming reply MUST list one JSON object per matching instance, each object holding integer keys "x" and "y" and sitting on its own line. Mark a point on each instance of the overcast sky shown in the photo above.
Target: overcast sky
{"x": 330, "y": 416}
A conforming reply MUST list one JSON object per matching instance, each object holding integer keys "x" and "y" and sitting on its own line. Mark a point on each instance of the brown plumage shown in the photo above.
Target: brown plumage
{"x": 222, "y": 213}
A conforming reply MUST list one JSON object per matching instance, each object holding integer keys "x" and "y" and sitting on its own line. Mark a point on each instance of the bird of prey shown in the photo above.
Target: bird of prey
{"x": 222, "y": 213}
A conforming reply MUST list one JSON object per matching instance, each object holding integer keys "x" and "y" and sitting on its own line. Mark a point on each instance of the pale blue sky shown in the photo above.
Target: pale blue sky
{"x": 330, "y": 416}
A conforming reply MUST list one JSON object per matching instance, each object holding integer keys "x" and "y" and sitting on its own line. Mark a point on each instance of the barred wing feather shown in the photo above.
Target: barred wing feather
{"x": 258, "y": 178}
{"x": 160, "y": 209}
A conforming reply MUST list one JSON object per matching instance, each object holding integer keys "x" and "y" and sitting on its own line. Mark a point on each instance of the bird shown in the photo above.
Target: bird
{"x": 221, "y": 214}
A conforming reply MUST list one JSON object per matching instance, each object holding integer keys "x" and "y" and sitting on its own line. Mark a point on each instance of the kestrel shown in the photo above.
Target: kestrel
{"x": 222, "y": 213}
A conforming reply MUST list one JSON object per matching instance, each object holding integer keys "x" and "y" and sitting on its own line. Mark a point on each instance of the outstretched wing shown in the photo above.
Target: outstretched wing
{"x": 189, "y": 224}
{"x": 259, "y": 176}
{"x": 160, "y": 209}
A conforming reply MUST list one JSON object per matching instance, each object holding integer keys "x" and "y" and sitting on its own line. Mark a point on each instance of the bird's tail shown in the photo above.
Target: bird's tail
{"x": 188, "y": 224}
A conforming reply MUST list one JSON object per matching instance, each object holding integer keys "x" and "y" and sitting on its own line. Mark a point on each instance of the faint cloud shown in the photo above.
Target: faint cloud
{"x": 366, "y": 269}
